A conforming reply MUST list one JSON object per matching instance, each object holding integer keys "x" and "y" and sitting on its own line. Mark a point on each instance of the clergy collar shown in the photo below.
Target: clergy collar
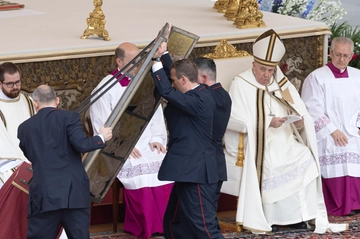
{"x": 124, "y": 81}
{"x": 337, "y": 72}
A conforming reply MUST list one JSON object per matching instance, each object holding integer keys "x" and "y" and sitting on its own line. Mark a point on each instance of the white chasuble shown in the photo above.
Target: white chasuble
{"x": 280, "y": 183}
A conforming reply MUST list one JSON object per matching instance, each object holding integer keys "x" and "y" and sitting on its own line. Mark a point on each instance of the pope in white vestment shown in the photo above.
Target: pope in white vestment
{"x": 280, "y": 182}
{"x": 331, "y": 95}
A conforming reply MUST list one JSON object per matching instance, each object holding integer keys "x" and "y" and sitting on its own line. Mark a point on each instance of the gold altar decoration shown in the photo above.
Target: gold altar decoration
{"x": 232, "y": 10}
{"x": 221, "y": 5}
{"x": 249, "y": 15}
{"x": 226, "y": 50}
{"x": 244, "y": 13}
{"x": 96, "y": 23}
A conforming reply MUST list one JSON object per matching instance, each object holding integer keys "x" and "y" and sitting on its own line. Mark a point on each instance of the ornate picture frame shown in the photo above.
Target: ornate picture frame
{"x": 133, "y": 111}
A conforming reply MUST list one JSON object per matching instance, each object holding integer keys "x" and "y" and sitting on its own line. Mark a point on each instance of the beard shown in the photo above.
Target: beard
{"x": 12, "y": 94}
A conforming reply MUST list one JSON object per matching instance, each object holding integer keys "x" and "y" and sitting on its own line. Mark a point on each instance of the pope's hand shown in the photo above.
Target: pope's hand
{"x": 277, "y": 122}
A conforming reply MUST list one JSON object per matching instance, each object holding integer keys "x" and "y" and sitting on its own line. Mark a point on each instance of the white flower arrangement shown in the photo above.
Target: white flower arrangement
{"x": 327, "y": 11}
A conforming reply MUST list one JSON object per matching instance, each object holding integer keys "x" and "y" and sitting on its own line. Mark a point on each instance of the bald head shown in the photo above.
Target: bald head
{"x": 45, "y": 95}
{"x": 124, "y": 53}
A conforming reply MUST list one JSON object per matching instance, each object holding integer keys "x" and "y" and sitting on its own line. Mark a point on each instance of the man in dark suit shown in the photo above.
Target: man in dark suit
{"x": 207, "y": 75}
{"x": 53, "y": 141}
{"x": 190, "y": 160}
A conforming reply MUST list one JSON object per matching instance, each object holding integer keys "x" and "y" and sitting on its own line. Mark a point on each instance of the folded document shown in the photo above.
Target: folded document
{"x": 292, "y": 118}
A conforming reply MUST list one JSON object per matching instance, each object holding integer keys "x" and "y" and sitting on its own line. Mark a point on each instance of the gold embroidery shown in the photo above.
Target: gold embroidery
{"x": 2, "y": 117}
{"x": 260, "y": 135}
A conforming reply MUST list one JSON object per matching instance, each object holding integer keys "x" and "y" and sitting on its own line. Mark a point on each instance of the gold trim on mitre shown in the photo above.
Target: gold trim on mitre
{"x": 268, "y": 48}
{"x": 266, "y": 63}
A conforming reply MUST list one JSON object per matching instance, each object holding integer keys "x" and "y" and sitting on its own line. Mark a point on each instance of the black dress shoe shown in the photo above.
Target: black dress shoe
{"x": 274, "y": 228}
{"x": 300, "y": 225}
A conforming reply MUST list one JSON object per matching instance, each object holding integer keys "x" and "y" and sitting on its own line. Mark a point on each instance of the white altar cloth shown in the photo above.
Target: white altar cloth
{"x": 56, "y": 34}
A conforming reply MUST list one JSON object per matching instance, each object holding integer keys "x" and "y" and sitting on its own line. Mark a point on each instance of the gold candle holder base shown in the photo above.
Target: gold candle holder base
{"x": 96, "y": 23}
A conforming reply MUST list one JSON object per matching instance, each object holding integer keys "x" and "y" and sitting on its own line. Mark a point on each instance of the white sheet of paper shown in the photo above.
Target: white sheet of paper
{"x": 292, "y": 118}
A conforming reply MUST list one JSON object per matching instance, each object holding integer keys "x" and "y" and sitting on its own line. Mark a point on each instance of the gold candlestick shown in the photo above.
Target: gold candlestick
{"x": 96, "y": 23}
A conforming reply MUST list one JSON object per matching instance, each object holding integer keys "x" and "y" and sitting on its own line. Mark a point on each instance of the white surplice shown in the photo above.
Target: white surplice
{"x": 334, "y": 103}
{"x": 291, "y": 189}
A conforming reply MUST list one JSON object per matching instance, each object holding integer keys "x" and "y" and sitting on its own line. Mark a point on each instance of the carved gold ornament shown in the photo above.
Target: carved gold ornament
{"x": 226, "y": 50}
{"x": 244, "y": 13}
{"x": 96, "y": 23}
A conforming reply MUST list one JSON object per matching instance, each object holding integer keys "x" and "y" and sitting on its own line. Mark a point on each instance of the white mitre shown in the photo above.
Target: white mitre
{"x": 268, "y": 48}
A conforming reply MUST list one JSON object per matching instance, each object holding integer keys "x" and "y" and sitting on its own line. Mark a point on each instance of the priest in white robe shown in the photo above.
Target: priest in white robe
{"x": 15, "y": 108}
{"x": 331, "y": 95}
{"x": 280, "y": 182}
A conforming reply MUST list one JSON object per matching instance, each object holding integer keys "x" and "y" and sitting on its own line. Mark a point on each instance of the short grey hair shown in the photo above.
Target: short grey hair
{"x": 342, "y": 40}
{"x": 44, "y": 94}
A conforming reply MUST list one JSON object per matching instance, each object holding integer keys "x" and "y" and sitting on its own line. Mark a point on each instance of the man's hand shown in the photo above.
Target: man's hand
{"x": 277, "y": 122}
{"x": 106, "y": 132}
{"x": 298, "y": 124}
{"x": 339, "y": 138}
{"x": 163, "y": 46}
{"x": 158, "y": 146}
{"x": 160, "y": 51}
{"x": 135, "y": 153}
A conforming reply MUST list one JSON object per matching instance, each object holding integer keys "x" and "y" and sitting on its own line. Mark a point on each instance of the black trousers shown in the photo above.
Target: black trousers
{"x": 191, "y": 212}
{"x": 76, "y": 223}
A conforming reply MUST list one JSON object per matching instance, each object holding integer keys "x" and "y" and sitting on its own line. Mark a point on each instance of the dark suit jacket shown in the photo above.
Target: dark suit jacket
{"x": 220, "y": 122}
{"x": 53, "y": 140}
{"x": 190, "y": 156}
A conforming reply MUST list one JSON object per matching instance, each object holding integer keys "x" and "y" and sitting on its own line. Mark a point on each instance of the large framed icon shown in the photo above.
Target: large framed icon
{"x": 133, "y": 111}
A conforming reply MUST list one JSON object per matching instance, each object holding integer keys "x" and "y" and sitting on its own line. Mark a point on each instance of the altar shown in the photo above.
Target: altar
{"x": 43, "y": 39}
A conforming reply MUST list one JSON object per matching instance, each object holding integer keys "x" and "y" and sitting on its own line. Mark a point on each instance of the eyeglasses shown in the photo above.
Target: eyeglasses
{"x": 11, "y": 84}
{"x": 338, "y": 55}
